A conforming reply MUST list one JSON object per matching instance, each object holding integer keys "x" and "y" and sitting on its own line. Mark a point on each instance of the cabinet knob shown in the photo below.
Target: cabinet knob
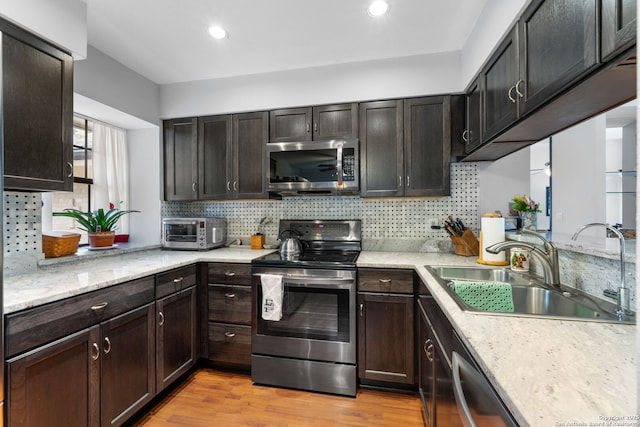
{"x": 107, "y": 345}
{"x": 161, "y": 318}
{"x": 100, "y": 306}
{"x": 96, "y": 351}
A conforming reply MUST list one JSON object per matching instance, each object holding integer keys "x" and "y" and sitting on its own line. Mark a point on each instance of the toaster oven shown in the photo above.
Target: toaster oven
{"x": 194, "y": 234}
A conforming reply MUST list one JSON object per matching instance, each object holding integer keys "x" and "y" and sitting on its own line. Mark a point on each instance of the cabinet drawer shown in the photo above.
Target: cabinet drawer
{"x": 36, "y": 326}
{"x": 230, "y": 344}
{"x": 230, "y": 304}
{"x": 175, "y": 280}
{"x": 230, "y": 274}
{"x": 385, "y": 280}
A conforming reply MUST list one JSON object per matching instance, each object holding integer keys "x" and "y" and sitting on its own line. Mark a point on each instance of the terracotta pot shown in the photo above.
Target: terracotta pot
{"x": 101, "y": 239}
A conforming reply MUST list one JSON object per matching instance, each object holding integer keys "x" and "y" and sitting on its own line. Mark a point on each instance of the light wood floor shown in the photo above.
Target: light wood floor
{"x": 214, "y": 398}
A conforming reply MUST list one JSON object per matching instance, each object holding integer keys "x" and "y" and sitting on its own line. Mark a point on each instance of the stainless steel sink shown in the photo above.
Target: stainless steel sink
{"x": 531, "y": 297}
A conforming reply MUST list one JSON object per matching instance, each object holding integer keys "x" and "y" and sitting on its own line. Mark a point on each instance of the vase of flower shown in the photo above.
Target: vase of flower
{"x": 527, "y": 211}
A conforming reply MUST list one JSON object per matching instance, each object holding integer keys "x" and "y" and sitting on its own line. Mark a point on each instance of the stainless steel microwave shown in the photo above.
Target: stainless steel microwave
{"x": 195, "y": 234}
{"x": 329, "y": 167}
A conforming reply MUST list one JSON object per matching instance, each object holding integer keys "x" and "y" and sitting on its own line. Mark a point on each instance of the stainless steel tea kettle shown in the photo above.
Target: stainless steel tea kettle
{"x": 290, "y": 246}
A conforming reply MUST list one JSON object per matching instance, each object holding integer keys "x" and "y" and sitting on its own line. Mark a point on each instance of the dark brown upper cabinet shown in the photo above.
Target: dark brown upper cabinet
{"x": 250, "y": 136}
{"x": 471, "y": 135}
{"x": 501, "y": 83}
{"x": 180, "y": 159}
{"x": 381, "y": 149}
{"x": 215, "y": 157}
{"x": 558, "y": 46}
{"x": 427, "y": 146}
{"x": 618, "y": 30}
{"x": 405, "y": 147}
{"x": 37, "y": 117}
{"x": 311, "y": 123}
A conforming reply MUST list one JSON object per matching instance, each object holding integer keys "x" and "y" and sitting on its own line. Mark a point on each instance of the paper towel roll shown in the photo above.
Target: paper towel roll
{"x": 492, "y": 232}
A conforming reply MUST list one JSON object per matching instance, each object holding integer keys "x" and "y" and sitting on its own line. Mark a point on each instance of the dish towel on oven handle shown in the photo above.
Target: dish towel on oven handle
{"x": 272, "y": 290}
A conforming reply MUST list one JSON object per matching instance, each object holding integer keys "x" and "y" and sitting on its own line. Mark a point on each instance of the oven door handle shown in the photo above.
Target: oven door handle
{"x": 317, "y": 282}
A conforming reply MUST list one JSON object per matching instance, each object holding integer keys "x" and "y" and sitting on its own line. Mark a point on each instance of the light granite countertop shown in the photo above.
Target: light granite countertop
{"x": 548, "y": 372}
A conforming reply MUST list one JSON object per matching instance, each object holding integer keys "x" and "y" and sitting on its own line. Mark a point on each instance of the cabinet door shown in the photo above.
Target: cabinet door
{"x": 381, "y": 149}
{"x": 37, "y": 86}
{"x": 180, "y": 159}
{"x": 427, "y": 146}
{"x": 175, "y": 336}
{"x": 214, "y": 157}
{"x": 500, "y": 98}
{"x": 473, "y": 105}
{"x": 128, "y": 364}
{"x": 618, "y": 31}
{"x": 386, "y": 322}
{"x": 250, "y": 136}
{"x": 335, "y": 121}
{"x": 57, "y": 384}
{"x": 426, "y": 369}
{"x": 290, "y": 124}
{"x": 557, "y": 46}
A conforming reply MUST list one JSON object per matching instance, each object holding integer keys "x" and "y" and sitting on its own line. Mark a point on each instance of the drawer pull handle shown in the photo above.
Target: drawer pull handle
{"x": 99, "y": 306}
{"x": 385, "y": 281}
{"x": 70, "y": 167}
{"x": 361, "y": 310}
{"x": 229, "y": 273}
{"x": 96, "y": 351}
{"x": 229, "y": 295}
{"x": 229, "y": 334}
{"x": 107, "y": 345}
{"x": 178, "y": 280}
{"x": 428, "y": 350}
{"x": 161, "y": 320}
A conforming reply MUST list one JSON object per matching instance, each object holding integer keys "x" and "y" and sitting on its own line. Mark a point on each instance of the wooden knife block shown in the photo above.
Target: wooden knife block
{"x": 467, "y": 244}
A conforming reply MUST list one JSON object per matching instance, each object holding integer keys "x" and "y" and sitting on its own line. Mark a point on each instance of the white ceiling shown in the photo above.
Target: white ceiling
{"x": 167, "y": 40}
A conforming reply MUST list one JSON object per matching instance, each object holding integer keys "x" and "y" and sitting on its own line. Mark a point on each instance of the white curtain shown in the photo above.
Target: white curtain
{"x": 111, "y": 171}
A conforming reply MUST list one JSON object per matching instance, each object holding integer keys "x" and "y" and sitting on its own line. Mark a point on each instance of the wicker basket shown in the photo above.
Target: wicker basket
{"x": 56, "y": 244}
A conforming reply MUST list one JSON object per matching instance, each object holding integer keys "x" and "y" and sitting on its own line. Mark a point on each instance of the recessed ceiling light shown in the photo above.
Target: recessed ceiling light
{"x": 378, "y": 8}
{"x": 218, "y": 32}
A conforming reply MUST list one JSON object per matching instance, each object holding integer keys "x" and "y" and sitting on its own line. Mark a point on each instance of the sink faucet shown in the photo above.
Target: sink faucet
{"x": 548, "y": 256}
{"x": 623, "y": 300}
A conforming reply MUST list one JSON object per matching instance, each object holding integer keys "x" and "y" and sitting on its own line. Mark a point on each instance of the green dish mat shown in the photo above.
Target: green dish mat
{"x": 486, "y": 296}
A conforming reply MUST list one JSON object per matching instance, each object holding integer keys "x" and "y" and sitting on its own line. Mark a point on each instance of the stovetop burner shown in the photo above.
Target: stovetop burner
{"x": 326, "y": 244}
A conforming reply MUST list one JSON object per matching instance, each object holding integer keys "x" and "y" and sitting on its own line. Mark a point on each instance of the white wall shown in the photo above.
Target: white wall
{"x": 62, "y": 22}
{"x": 499, "y": 181}
{"x": 144, "y": 185}
{"x": 103, "y": 79}
{"x": 578, "y": 160}
{"x": 539, "y": 180}
{"x": 397, "y": 78}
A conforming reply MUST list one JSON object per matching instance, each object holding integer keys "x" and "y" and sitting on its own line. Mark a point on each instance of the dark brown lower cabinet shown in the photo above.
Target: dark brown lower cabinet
{"x": 98, "y": 376}
{"x": 127, "y": 365}
{"x": 175, "y": 336}
{"x": 386, "y": 338}
{"x": 57, "y": 384}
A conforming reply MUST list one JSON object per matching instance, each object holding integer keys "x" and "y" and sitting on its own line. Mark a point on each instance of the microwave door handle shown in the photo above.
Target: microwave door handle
{"x": 339, "y": 165}
{"x": 458, "y": 393}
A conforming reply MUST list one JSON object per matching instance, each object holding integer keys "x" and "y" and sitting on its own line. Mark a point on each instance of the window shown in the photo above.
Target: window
{"x": 82, "y": 179}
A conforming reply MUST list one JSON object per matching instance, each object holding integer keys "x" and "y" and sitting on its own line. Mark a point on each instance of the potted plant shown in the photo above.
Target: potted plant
{"x": 527, "y": 210}
{"x": 99, "y": 225}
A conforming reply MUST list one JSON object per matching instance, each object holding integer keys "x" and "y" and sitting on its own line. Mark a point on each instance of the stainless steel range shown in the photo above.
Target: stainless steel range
{"x": 313, "y": 345}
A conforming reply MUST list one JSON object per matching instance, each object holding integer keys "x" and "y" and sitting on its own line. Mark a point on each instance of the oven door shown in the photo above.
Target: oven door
{"x": 318, "y": 319}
